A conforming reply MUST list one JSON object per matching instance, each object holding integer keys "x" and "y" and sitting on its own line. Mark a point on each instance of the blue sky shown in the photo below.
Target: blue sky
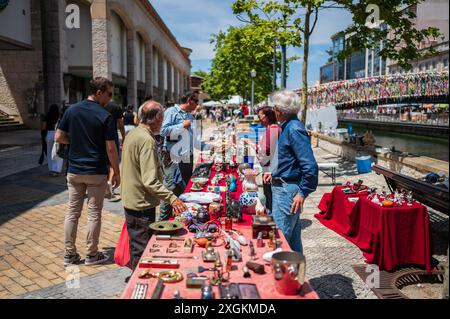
{"x": 194, "y": 21}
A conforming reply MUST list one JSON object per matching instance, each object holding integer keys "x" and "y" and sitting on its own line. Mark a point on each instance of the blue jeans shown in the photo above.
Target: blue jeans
{"x": 289, "y": 224}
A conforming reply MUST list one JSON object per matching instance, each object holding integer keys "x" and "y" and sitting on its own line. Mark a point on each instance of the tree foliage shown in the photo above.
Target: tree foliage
{"x": 302, "y": 15}
{"x": 238, "y": 51}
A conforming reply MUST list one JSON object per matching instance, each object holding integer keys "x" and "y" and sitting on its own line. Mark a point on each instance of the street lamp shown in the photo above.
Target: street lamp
{"x": 253, "y": 75}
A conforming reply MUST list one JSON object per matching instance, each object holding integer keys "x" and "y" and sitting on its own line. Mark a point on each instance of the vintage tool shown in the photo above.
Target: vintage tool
{"x": 170, "y": 276}
{"x": 257, "y": 268}
{"x": 159, "y": 263}
{"x": 262, "y": 224}
{"x": 139, "y": 291}
{"x": 188, "y": 245}
{"x": 178, "y": 257}
{"x": 169, "y": 237}
{"x": 202, "y": 269}
{"x": 252, "y": 250}
{"x": 166, "y": 226}
{"x": 209, "y": 255}
{"x": 157, "y": 293}
{"x": 196, "y": 282}
{"x": 248, "y": 291}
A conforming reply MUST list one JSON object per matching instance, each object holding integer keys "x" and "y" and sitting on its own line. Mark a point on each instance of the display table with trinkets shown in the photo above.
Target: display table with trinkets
{"x": 225, "y": 250}
{"x": 172, "y": 268}
{"x": 391, "y": 229}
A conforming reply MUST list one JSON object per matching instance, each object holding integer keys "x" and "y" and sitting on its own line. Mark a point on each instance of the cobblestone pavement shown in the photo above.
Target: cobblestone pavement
{"x": 32, "y": 208}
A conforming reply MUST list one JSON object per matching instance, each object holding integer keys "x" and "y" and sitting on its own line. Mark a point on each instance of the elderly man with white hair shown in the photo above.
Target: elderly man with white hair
{"x": 294, "y": 169}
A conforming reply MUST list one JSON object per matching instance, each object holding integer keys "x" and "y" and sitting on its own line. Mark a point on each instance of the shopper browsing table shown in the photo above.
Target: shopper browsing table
{"x": 142, "y": 187}
{"x": 295, "y": 171}
{"x": 265, "y": 149}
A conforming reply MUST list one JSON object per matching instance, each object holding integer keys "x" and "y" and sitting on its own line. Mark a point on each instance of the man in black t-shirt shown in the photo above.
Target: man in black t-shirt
{"x": 89, "y": 129}
{"x": 117, "y": 113}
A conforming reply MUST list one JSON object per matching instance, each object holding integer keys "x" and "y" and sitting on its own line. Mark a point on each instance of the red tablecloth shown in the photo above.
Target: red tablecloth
{"x": 388, "y": 236}
{"x": 264, "y": 282}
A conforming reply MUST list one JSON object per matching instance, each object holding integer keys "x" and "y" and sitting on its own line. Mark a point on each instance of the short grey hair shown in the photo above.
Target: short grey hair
{"x": 286, "y": 101}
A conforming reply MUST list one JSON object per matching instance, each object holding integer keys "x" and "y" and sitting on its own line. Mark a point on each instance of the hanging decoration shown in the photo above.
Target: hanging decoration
{"x": 370, "y": 90}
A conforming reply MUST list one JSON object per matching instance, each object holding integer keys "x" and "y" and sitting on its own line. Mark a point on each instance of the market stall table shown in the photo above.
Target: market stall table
{"x": 265, "y": 283}
{"x": 388, "y": 236}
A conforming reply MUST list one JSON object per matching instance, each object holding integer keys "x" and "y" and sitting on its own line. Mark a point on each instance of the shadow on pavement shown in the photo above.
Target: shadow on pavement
{"x": 333, "y": 287}
{"x": 28, "y": 189}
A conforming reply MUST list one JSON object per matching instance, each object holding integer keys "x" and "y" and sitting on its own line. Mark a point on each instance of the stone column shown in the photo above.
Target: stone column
{"x": 54, "y": 46}
{"x": 131, "y": 68}
{"x": 101, "y": 43}
{"x": 148, "y": 69}
{"x": 169, "y": 81}
{"x": 176, "y": 89}
{"x": 161, "y": 78}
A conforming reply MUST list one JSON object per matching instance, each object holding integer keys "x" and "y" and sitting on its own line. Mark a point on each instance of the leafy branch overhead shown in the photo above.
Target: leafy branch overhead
{"x": 238, "y": 51}
{"x": 287, "y": 17}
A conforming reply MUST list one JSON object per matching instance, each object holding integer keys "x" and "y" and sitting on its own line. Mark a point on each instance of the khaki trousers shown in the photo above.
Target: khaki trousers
{"x": 95, "y": 185}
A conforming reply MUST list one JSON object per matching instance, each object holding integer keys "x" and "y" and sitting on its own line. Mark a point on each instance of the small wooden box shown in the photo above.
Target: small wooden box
{"x": 262, "y": 224}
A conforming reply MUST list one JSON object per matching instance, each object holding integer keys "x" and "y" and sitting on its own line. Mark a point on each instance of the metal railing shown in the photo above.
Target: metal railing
{"x": 419, "y": 119}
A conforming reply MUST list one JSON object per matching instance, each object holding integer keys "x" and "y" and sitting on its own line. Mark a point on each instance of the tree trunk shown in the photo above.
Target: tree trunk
{"x": 274, "y": 84}
{"x": 283, "y": 66}
{"x": 306, "y": 36}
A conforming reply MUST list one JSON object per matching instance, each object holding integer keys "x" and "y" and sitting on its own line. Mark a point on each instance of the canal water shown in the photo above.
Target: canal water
{"x": 414, "y": 144}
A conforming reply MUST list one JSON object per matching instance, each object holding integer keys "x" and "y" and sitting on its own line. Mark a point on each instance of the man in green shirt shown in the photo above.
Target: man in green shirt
{"x": 142, "y": 187}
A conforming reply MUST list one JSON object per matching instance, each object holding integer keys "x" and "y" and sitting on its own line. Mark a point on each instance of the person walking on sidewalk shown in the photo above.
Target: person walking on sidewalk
{"x": 130, "y": 119}
{"x": 295, "y": 171}
{"x": 142, "y": 188}
{"x": 49, "y": 125}
{"x": 117, "y": 114}
{"x": 89, "y": 129}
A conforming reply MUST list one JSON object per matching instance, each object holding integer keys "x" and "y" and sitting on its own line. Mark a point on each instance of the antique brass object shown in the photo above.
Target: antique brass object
{"x": 166, "y": 226}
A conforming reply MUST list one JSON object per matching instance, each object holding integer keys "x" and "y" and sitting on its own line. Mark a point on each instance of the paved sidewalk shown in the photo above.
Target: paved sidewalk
{"x": 32, "y": 209}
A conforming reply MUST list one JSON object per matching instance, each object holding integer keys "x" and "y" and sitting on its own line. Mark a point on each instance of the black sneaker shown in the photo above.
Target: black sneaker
{"x": 71, "y": 259}
{"x": 100, "y": 258}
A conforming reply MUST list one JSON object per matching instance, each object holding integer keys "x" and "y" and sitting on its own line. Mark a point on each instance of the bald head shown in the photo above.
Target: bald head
{"x": 152, "y": 115}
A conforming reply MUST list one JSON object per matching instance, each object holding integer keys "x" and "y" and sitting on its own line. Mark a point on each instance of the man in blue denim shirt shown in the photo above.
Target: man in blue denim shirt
{"x": 294, "y": 171}
{"x": 177, "y": 131}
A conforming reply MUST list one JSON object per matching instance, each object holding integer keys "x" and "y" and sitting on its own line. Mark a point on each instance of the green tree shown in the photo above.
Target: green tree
{"x": 201, "y": 73}
{"x": 302, "y": 16}
{"x": 238, "y": 51}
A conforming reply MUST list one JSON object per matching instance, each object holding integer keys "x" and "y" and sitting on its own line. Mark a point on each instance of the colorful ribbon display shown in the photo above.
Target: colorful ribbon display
{"x": 370, "y": 90}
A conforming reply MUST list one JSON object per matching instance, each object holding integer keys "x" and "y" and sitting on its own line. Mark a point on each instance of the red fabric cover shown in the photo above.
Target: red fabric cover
{"x": 122, "y": 252}
{"x": 388, "y": 236}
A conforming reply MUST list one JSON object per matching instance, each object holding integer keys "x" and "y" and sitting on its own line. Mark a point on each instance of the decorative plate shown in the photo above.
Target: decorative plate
{"x": 167, "y": 226}
{"x": 200, "y": 197}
